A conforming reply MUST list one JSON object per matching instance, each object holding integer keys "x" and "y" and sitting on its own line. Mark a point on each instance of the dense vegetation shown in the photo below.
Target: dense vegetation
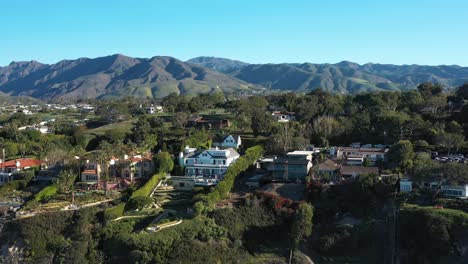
{"x": 356, "y": 221}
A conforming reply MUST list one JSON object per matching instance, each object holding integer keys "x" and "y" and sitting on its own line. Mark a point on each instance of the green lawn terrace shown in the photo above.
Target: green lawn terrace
{"x": 170, "y": 198}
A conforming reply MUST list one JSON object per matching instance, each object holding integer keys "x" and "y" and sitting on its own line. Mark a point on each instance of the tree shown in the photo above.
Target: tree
{"x": 462, "y": 91}
{"x": 302, "y": 224}
{"x": 401, "y": 155}
{"x": 103, "y": 156}
{"x": 428, "y": 89}
{"x": 66, "y": 180}
{"x": 163, "y": 161}
{"x": 450, "y": 140}
{"x": 261, "y": 122}
{"x": 180, "y": 120}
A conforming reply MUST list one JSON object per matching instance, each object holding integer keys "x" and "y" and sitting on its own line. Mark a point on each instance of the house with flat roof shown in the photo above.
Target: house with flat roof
{"x": 354, "y": 156}
{"x": 294, "y": 166}
{"x": 455, "y": 191}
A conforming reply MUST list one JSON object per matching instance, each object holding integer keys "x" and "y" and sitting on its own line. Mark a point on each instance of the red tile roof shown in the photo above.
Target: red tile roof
{"x": 24, "y": 163}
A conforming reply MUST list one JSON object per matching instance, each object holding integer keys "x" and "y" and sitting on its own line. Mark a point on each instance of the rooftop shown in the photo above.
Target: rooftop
{"x": 21, "y": 163}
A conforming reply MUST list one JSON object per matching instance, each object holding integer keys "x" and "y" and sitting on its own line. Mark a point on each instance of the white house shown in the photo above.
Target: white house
{"x": 154, "y": 109}
{"x": 455, "y": 191}
{"x": 406, "y": 185}
{"x": 283, "y": 117}
{"x": 231, "y": 141}
{"x": 208, "y": 162}
{"x": 355, "y": 156}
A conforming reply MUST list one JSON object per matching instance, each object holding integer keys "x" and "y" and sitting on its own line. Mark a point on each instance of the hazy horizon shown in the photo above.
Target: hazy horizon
{"x": 286, "y": 62}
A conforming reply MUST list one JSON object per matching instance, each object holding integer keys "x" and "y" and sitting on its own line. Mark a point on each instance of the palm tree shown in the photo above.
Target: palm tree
{"x": 105, "y": 153}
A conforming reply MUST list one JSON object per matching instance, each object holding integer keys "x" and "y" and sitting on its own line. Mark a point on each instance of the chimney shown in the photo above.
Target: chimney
{"x": 187, "y": 149}
{"x": 18, "y": 163}
{"x": 125, "y": 157}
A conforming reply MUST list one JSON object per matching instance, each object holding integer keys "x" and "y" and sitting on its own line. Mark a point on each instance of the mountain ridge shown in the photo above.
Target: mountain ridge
{"x": 344, "y": 76}
{"x": 119, "y": 75}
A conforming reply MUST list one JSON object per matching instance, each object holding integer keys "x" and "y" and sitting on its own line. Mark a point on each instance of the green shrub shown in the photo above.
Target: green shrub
{"x": 114, "y": 212}
{"x": 11, "y": 186}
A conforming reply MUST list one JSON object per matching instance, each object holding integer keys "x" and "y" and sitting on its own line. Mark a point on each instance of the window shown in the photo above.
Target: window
{"x": 224, "y": 162}
{"x": 452, "y": 192}
{"x": 91, "y": 177}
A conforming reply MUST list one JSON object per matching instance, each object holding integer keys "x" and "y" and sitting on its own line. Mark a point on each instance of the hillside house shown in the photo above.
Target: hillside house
{"x": 232, "y": 141}
{"x": 91, "y": 172}
{"x": 155, "y": 109}
{"x": 294, "y": 166}
{"x": 129, "y": 168}
{"x": 455, "y": 191}
{"x": 283, "y": 116}
{"x": 207, "y": 162}
{"x": 133, "y": 167}
{"x": 354, "y": 156}
{"x": 8, "y": 168}
{"x": 329, "y": 167}
{"x": 406, "y": 185}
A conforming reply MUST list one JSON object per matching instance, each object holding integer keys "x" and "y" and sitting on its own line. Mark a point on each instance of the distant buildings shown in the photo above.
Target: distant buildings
{"x": 283, "y": 116}
{"x": 212, "y": 123}
{"x": 155, "y": 109}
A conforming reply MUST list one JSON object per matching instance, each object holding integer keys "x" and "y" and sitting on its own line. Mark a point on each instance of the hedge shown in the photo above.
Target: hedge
{"x": 456, "y": 217}
{"x": 223, "y": 188}
{"x": 149, "y": 185}
{"x": 144, "y": 191}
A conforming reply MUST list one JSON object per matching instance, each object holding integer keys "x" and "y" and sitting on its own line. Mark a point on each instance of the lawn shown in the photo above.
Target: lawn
{"x": 124, "y": 126}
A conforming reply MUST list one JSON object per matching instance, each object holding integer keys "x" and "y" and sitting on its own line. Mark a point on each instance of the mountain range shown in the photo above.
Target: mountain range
{"x": 119, "y": 75}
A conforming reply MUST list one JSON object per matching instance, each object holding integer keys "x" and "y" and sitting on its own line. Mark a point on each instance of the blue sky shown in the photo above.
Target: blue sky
{"x": 428, "y": 32}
